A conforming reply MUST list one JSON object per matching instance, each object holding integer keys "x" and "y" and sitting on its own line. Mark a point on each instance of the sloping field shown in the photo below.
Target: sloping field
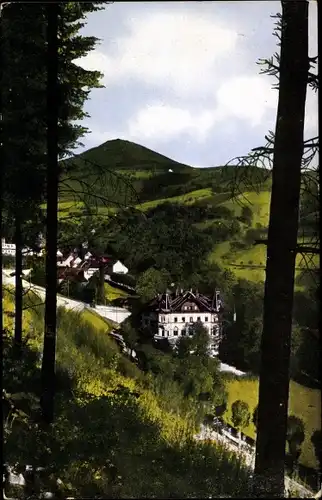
{"x": 305, "y": 403}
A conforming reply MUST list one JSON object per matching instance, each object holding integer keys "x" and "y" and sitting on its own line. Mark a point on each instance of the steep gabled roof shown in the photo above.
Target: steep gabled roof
{"x": 201, "y": 301}
{"x": 172, "y": 302}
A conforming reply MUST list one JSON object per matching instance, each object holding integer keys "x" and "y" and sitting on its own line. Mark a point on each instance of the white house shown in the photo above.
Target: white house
{"x": 8, "y": 248}
{"x": 77, "y": 262}
{"x": 172, "y": 315}
{"x": 119, "y": 268}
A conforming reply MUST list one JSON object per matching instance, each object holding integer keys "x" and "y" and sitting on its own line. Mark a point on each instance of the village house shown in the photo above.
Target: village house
{"x": 172, "y": 315}
{"x": 90, "y": 265}
{"x": 115, "y": 267}
{"x": 10, "y": 249}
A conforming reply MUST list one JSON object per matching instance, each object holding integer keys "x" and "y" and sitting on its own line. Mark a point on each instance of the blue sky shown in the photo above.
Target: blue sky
{"x": 181, "y": 77}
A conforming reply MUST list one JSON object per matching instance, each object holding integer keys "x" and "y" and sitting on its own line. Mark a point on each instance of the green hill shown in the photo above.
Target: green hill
{"x": 152, "y": 175}
{"x": 119, "y": 173}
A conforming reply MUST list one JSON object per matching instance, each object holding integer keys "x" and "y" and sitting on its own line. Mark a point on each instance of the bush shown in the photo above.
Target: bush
{"x": 238, "y": 245}
{"x": 255, "y": 234}
{"x": 247, "y": 215}
{"x": 128, "y": 369}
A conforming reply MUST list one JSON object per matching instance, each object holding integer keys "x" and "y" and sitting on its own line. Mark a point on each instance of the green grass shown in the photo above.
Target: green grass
{"x": 112, "y": 293}
{"x": 257, "y": 202}
{"x": 97, "y": 321}
{"x": 305, "y": 403}
{"x": 186, "y": 199}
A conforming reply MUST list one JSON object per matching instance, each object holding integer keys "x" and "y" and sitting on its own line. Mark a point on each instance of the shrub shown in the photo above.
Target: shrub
{"x": 237, "y": 245}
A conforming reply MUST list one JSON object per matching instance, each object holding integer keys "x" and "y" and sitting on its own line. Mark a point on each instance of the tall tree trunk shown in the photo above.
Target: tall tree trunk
{"x": 281, "y": 253}
{"x": 18, "y": 288}
{"x": 101, "y": 283}
{"x": 49, "y": 351}
{"x": 1, "y": 236}
{"x": 1, "y": 200}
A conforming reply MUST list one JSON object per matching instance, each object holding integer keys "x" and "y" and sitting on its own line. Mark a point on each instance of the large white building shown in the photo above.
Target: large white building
{"x": 172, "y": 315}
{"x": 8, "y": 248}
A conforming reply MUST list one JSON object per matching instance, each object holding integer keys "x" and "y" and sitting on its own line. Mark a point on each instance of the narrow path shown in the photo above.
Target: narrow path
{"x": 206, "y": 433}
{"x": 116, "y": 314}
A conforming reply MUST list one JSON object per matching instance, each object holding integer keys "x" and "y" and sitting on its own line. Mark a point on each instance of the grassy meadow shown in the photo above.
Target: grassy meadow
{"x": 304, "y": 403}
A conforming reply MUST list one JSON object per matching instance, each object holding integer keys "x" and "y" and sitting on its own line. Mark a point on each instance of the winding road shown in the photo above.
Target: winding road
{"x": 116, "y": 314}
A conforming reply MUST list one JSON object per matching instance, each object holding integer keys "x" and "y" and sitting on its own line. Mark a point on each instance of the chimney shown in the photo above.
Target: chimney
{"x": 218, "y": 301}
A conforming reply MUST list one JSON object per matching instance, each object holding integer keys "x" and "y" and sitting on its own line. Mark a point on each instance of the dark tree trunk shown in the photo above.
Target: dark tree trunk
{"x": 101, "y": 283}
{"x": 1, "y": 236}
{"x": 49, "y": 351}
{"x": 1, "y": 202}
{"x": 18, "y": 288}
{"x": 281, "y": 253}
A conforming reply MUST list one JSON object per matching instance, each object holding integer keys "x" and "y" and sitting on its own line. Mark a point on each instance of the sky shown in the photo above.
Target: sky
{"x": 182, "y": 78}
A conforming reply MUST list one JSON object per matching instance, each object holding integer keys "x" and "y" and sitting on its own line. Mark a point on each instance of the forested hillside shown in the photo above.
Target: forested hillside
{"x": 225, "y": 208}
{"x": 202, "y": 239}
{"x": 118, "y": 433}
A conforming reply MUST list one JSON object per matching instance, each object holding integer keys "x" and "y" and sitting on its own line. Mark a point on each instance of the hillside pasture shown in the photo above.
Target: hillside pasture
{"x": 304, "y": 403}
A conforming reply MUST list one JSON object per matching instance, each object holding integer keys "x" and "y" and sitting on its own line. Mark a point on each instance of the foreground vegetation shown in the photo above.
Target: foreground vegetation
{"x": 113, "y": 435}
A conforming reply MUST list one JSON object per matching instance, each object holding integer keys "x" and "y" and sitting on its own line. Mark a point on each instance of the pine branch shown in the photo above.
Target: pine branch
{"x": 298, "y": 249}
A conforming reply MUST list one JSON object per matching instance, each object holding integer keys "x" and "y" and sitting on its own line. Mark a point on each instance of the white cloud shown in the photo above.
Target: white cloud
{"x": 162, "y": 122}
{"x": 311, "y": 115}
{"x": 247, "y": 98}
{"x": 209, "y": 69}
{"x": 178, "y": 49}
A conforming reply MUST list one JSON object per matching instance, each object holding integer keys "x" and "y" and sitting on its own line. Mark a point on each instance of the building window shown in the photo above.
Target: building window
{"x": 175, "y": 320}
{"x": 183, "y": 332}
{"x": 175, "y": 332}
{"x": 206, "y": 318}
{"x": 191, "y": 319}
{"x": 198, "y": 319}
{"x": 190, "y": 332}
{"x": 215, "y": 330}
{"x": 183, "y": 319}
{"x": 167, "y": 333}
